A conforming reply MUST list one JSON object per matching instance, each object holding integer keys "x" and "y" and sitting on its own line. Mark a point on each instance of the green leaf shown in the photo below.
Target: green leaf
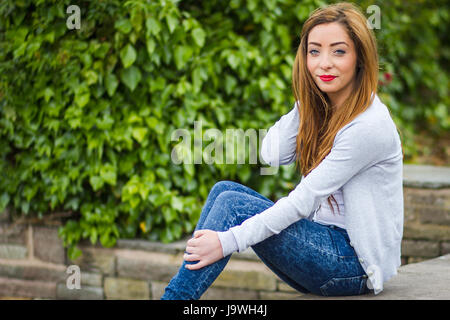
{"x": 123, "y": 25}
{"x": 128, "y": 55}
{"x": 91, "y": 77}
{"x": 106, "y": 239}
{"x": 48, "y": 93}
{"x": 177, "y": 203}
{"x": 131, "y": 77}
{"x": 111, "y": 84}
{"x": 230, "y": 84}
{"x": 73, "y": 252}
{"x": 136, "y": 18}
{"x": 233, "y": 60}
{"x": 139, "y": 134}
{"x": 108, "y": 174}
{"x": 199, "y": 36}
{"x": 172, "y": 22}
{"x": 189, "y": 167}
{"x": 176, "y": 229}
{"x": 169, "y": 214}
{"x": 153, "y": 26}
{"x": 182, "y": 55}
{"x": 94, "y": 236}
{"x": 151, "y": 46}
{"x": 96, "y": 182}
{"x": 82, "y": 99}
{"x": 20, "y": 50}
{"x": 4, "y": 200}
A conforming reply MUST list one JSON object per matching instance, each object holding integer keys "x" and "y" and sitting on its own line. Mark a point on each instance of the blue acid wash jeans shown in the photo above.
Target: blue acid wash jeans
{"x": 308, "y": 256}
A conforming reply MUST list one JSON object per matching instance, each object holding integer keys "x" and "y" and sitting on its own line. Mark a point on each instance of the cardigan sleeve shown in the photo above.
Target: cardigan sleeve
{"x": 279, "y": 144}
{"x": 357, "y": 146}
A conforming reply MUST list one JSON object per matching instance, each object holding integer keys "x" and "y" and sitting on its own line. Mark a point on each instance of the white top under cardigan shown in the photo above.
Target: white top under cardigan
{"x": 324, "y": 215}
{"x": 366, "y": 161}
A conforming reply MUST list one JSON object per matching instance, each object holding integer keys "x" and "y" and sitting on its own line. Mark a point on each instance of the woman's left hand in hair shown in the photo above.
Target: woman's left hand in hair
{"x": 204, "y": 247}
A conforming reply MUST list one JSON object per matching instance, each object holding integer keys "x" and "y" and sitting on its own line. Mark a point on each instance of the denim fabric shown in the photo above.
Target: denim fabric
{"x": 308, "y": 256}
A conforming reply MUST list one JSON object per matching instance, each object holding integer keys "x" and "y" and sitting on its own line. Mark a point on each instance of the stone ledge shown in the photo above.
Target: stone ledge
{"x": 425, "y": 176}
{"x": 427, "y": 280}
{"x": 176, "y": 247}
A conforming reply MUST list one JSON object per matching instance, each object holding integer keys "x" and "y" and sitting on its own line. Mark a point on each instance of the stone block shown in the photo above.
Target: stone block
{"x": 84, "y": 293}
{"x": 283, "y": 286}
{"x": 91, "y": 279}
{"x": 434, "y": 215}
{"x": 157, "y": 289}
{"x": 27, "y": 288}
{"x": 410, "y": 214}
{"x": 426, "y": 197}
{"x": 427, "y": 205}
{"x": 126, "y": 289}
{"x": 95, "y": 259}
{"x": 445, "y": 248}
{"x": 13, "y": 251}
{"x": 32, "y": 270}
{"x": 246, "y": 275}
{"x": 136, "y": 264}
{"x": 419, "y": 231}
{"x": 417, "y": 248}
{"x": 416, "y": 259}
{"x": 13, "y": 234}
{"x": 47, "y": 245}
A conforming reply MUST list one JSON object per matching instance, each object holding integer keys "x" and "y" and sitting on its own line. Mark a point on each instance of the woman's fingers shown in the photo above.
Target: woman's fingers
{"x": 197, "y": 265}
{"x": 190, "y": 249}
{"x": 191, "y": 257}
{"x": 204, "y": 247}
{"x": 192, "y": 242}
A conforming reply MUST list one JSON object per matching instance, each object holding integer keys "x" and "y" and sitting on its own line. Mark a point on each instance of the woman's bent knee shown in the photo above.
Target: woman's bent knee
{"x": 223, "y": 186}
{"x": 227, "y": 196}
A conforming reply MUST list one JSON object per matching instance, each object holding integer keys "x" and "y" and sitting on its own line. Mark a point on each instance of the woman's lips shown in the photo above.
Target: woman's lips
{"x": 327, "y": 77}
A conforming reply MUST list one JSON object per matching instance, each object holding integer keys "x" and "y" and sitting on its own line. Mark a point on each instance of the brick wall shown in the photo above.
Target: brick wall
{"x": 33, "y": 262}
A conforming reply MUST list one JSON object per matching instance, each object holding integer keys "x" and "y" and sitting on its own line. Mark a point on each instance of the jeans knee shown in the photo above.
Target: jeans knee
{"x": 222, "y": 186}
{"x": 225, "y": 201}
{"x": 227, "y": 196}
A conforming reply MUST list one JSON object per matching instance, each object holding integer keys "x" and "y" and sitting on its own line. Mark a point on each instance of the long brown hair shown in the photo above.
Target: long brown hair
{"x": 319, "y": 122}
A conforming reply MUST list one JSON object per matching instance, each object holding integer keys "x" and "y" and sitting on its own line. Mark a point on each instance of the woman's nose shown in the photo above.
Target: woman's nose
{"x": 326, "y": 62}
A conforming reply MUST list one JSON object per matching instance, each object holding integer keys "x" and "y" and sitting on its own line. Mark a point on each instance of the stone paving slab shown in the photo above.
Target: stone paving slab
{"x": 427, "y": 280}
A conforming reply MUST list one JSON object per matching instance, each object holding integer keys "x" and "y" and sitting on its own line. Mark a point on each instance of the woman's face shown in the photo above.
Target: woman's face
{"x": 331, "y": 53}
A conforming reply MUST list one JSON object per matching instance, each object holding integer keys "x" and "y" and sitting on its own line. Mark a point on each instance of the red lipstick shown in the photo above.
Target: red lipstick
{"x": 327, "y": 77}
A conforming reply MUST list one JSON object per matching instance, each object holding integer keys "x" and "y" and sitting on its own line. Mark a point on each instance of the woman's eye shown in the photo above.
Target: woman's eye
{"x": 315, "y": 52}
